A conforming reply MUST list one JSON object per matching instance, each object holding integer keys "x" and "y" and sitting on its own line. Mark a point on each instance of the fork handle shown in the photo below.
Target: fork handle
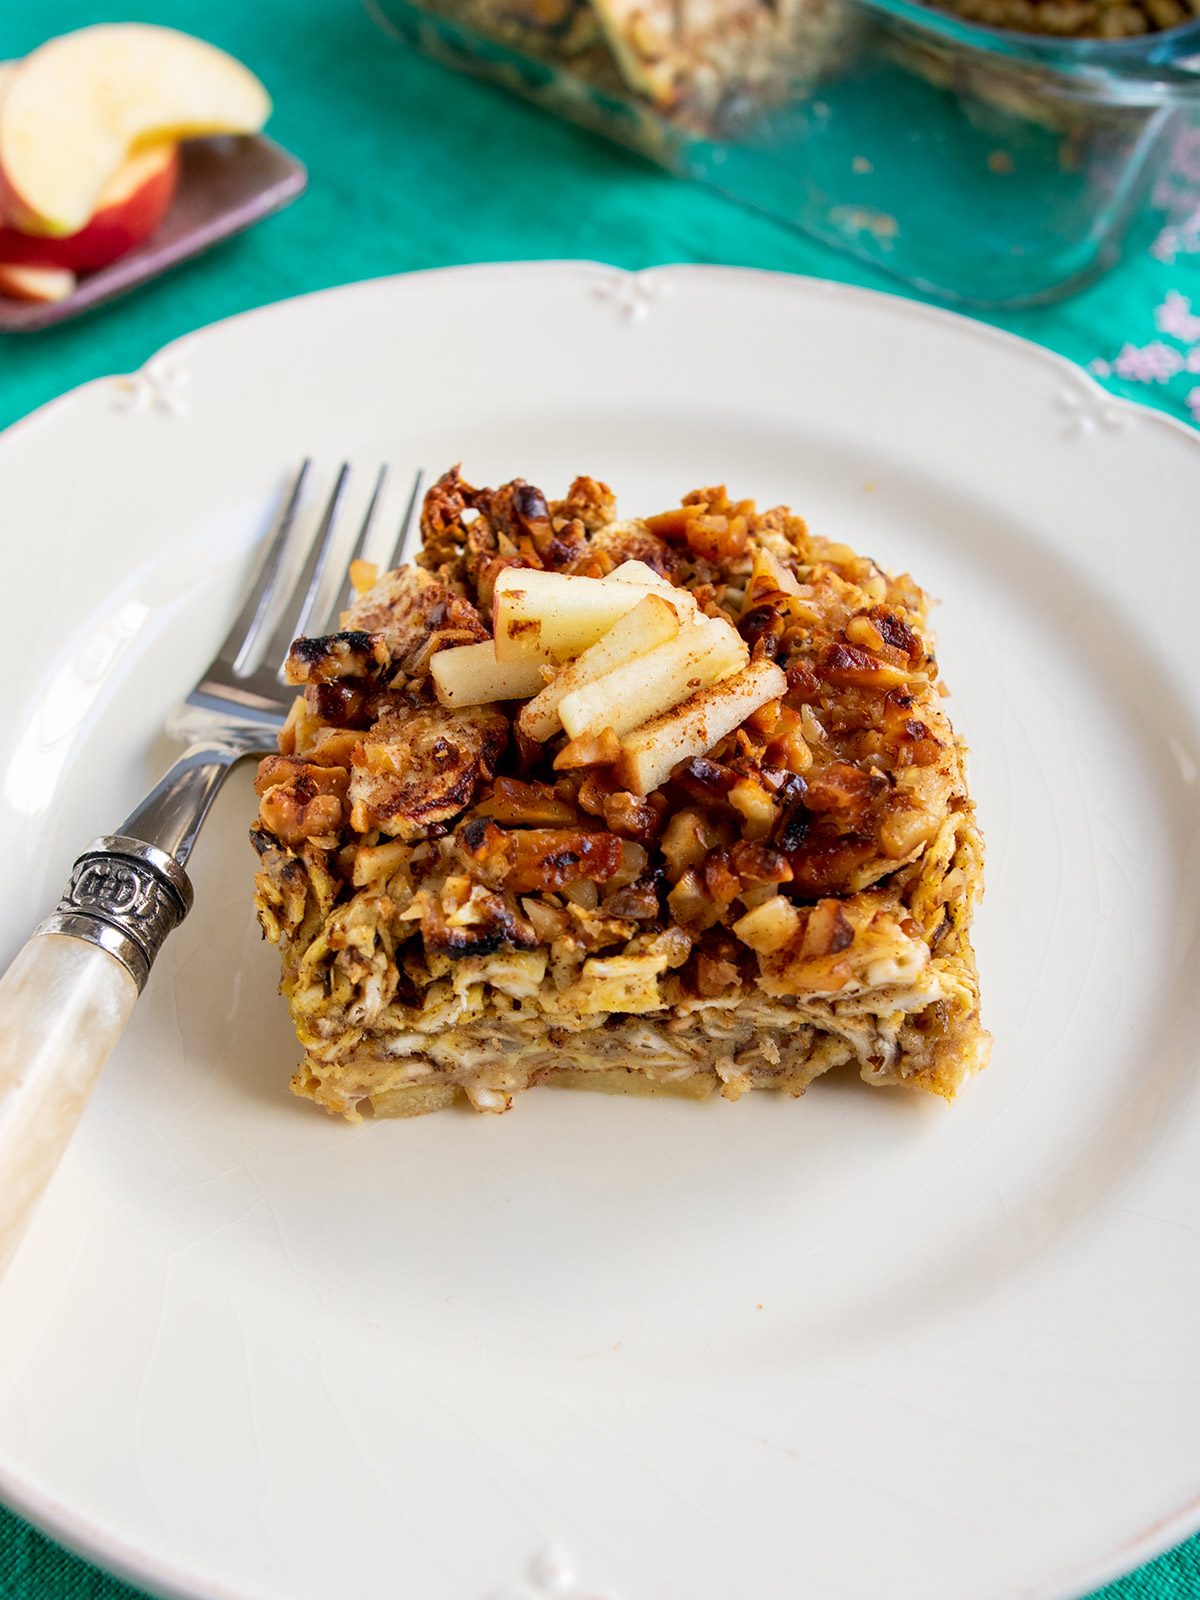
{"x": 63, "y": 1005}
{"x": 65, "y": 1000}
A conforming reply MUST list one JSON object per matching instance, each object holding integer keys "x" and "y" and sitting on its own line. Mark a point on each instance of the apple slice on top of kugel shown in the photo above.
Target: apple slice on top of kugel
{"x": 76, "y": 108}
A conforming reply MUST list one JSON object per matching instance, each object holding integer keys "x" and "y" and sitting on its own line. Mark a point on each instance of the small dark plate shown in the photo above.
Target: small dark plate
{"x": 225, "y": 185}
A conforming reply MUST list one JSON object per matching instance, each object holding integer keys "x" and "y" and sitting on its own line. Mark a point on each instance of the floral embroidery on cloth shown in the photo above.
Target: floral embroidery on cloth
{"x": 1171, "y": 361}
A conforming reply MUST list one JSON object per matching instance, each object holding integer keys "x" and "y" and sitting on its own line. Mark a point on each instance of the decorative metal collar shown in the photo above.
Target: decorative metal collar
{"x": 125, "y": 896}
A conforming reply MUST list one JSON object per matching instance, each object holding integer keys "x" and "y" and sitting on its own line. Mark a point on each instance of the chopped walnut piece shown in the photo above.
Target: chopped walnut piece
{"x": 592, "y": 502}
{"x": 299, "y": 801}
{"x": 532, "y": 804}
{"x": 292, "y": 819}
{"x": 550, "y": 858}
{"x": 839, "y": 787}
{"x": 826, "y": 932}
{"x": 637, "y": 901}
{"x": 276, "y": 770}
{"x": 850, "y": 665}
{"x": 754, "y": 863}
{"x": 589, "y": 750}
{"x": 721, "y": 881}
{"x": 631, "y": 816}
{"x": 687, "y": 839}
{"x": 353, "y": 654}
{"x": 787, "y": 747}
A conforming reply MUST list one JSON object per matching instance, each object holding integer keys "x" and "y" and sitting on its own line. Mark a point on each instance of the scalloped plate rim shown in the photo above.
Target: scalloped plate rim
{"x": 801, "y": 282}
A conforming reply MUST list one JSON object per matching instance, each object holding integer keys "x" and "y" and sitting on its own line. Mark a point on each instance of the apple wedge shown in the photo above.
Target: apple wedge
{"x": 550, "y": 617}
{"x": 131, "y": 206}
{"x": 650, "y": 752}
{"x": 42, "y": 284}
{"x": 75, "y": 108}
{"x": 470, "y": 675}
{"x": 623, "y": 699}
{"x": 651, "y": 623}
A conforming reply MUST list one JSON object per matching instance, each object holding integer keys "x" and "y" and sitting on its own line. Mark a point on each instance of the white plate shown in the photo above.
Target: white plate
{"x": 854, "y": 1346}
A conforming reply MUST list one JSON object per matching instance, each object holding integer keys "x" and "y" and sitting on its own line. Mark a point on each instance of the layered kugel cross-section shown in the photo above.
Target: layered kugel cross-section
{"x": 660, "y": 806}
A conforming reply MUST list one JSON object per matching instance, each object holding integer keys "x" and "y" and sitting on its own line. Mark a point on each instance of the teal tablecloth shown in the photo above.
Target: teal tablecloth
{"x": 413, "y": 167}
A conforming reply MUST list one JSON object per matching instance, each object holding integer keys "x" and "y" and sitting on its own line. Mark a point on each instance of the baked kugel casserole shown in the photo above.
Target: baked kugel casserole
{"x": 657, "y": 806}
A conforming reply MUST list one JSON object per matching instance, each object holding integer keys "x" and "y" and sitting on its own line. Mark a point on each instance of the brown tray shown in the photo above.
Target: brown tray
{"x": 225, "y": 185}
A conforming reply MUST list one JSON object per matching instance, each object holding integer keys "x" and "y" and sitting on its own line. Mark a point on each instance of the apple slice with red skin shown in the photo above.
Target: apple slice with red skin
{"x": 35, "y": 283}
{"x": 131, "y": 206}
{"x": 78, "y": 106}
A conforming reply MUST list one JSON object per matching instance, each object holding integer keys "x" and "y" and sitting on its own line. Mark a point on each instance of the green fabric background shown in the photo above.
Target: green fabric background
{"x": 413, "y": 167}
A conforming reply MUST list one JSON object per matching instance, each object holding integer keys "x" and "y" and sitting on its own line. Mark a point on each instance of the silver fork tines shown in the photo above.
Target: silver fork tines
{"x": 402, "y": 550}
{"x": 346, "y": 589}
{"x": 302, "y": 602}
{"x": 243, "y": 636}
{"x": 246, "y": 677}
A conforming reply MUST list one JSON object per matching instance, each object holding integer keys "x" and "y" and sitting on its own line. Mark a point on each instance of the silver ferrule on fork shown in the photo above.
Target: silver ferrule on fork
{"x": 129, "y": 890}
{"x": 126, "y": 896}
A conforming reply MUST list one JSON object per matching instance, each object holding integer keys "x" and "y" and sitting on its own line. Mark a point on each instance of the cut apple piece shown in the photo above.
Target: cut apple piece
{"x": 43, "y": 284}
{"x": 769, "y": 576}
{"x": 639, "y": 572}
{"x": 649, "y": 753}
{"x": 651, "y": 622}
{"x": 470, "y": 675}
{"x": 551, "y": 617}
{"x": 623, "y": 699}
{"x": 76, "y": 108}
{"x": 770, "y": 926}
{"x": 132, "y": 205}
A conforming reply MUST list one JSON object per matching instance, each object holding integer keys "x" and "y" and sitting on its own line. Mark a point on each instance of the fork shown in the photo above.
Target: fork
{"x": 66, "y": 998}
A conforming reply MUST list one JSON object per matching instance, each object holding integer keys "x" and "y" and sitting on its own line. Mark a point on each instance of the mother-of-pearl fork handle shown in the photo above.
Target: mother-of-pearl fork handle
{"x": 65, "y": 1001}
{"x": 63, "y": 1005}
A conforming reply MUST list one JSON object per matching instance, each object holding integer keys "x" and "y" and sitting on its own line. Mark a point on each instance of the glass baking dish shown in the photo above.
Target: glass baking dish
{"x": 996, "y": 168}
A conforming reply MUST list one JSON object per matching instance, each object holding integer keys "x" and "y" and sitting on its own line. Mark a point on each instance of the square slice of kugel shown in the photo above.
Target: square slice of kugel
{"x": 652, "y": 807}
